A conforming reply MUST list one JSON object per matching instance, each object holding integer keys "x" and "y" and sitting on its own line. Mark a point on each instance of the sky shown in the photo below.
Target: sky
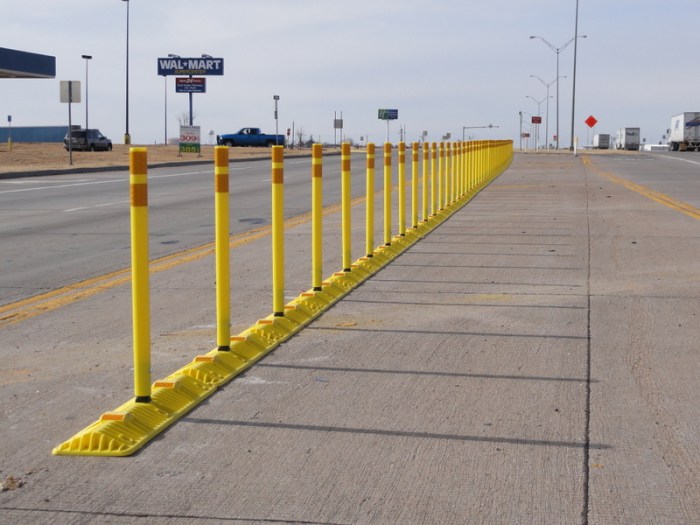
{"x": 446, "y": 65}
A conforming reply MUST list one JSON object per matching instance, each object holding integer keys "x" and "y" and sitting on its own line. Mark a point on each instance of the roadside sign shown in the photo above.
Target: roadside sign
{"x": 190, "y": 66}
{"x": 190, "y": 85}
{"x": 537, "y": 120}
{"x": 338, "y": 123}
{"x": 190, "y": 141}
{"x": 70, "y": 91}
{"x": 591, "y": 121}
{"x": 388, "y": 114}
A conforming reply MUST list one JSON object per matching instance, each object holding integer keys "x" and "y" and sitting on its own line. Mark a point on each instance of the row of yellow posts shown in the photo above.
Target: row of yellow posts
{"x": 451, "y": 174}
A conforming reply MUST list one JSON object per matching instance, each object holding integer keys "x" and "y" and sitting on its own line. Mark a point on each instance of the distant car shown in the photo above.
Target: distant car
{"x": 249, "y": 137}
{"x": 87, "y": 140}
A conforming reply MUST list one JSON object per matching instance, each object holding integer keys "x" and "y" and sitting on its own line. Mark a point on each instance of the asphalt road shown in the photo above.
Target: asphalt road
{"x": 62, "y": 229}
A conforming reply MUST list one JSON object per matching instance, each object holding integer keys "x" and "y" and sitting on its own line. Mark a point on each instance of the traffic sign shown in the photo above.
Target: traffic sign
{"x": 591, "y": 121}
{"x": 537, "y": 120}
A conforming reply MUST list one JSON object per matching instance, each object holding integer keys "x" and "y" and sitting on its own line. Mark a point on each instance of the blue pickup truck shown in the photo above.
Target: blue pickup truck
{"x": 250, "y": 137}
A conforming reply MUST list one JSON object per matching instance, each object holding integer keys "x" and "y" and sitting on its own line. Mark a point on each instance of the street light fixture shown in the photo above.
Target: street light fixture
{"x": 87, "y": 58}
{"x": 127, "y": 137}
{"x": 547, "y": 85}
{"x": 538, "y": 102}
{"x": 490, "y": 126}
{"x": 558, "y": 50}
{"x": 277, "y": 139}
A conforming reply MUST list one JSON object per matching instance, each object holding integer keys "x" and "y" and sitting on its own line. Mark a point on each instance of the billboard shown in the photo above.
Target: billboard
{"x": 190, "y": 85}
{"x": 190, "y": 66}
{"x": 388, "y": 114}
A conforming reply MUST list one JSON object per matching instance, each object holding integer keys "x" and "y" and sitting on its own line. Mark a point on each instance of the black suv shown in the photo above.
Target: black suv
{"x": 87, "y": 140}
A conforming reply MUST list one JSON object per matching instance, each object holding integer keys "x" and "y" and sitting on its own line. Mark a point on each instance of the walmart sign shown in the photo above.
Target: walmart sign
{"x": 190, "y": 66}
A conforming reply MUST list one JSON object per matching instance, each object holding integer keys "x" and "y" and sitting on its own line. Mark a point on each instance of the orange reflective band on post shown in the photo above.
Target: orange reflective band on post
{"x": 138, "y": 188}
{"x": 277, "y": 165}
{"x": 387, "y": 154}
{"x": 317, "y": 160}
{"x": 138, "y": 160}
{"x": 138, "y": 191}
{"x": 370, "y": 156}
{"x": 221, "y": 157}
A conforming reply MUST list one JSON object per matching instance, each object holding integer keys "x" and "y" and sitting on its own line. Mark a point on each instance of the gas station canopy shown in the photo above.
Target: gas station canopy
{"x": 20, "y": 64}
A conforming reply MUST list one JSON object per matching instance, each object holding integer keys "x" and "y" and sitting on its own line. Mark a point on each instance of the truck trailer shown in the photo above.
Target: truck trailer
{"x": 685, "y": 132}
{"x": 601, "y": 141}
{"x": 627, "y": 138}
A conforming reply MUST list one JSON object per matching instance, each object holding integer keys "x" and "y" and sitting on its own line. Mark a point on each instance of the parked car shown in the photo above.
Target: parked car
{"x": 87, "y": 140}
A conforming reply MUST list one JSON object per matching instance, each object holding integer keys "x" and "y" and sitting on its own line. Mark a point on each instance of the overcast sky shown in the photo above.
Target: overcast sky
{"x": 444, "y": 64}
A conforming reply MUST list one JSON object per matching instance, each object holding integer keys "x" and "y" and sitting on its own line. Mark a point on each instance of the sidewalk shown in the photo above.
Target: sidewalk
{"x": 532, "y": 360}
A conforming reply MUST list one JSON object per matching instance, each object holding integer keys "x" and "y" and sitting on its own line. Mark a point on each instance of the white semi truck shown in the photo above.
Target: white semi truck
{"x": 601, "y": 141}
{"x": 685, "y": 132}
{"x": 627, "y": 138}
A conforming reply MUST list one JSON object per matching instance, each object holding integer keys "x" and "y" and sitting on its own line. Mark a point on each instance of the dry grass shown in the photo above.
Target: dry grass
{"x": 25, "y": 157}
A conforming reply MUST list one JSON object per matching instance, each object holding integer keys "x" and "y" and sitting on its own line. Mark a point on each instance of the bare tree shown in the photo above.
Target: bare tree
{"x": 300, "y": 136}
{"x": 184, "y": 118}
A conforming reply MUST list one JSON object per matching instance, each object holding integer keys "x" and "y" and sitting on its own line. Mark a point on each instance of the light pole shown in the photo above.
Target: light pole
{"x": 573, "y": 93}
{"x": 87, "y": 58}
{"x": 165, "y": 114}
{"x": 547, "y": 85}
{"x": 276, "y": 99}
{"x": 558, "y": 50}
{"x": 127, "y": 137}
{"x": 538, "y": 102}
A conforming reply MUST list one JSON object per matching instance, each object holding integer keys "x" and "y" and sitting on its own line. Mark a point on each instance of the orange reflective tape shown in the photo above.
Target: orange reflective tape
{"x": 317, "y": 151}
{"x": 414, "y": 150}
{"x": 221, "y": 183}
{"x": 387, "y": 154}
{"x": 138, "y": 194}
{"x": 277, "y": 154}
{"x": 345, "y": 164}
{"x": 316, "y": 168}
{"x": 370, "y": 162}
{"x": 277, "y": 175}
{"x": 138, "y": 160}
{"x": 221, "y": 156}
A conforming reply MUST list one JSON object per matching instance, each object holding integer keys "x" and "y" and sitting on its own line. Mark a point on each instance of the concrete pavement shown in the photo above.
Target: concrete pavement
{"x": 532, "y": 360}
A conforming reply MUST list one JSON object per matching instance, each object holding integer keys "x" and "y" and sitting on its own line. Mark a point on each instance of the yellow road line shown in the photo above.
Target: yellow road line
{"x": 72, "y": 293}
{"x": 661, "y": 198}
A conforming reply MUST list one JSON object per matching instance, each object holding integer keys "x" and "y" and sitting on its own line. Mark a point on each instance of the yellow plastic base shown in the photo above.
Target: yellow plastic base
{"x": 128, "y": 428}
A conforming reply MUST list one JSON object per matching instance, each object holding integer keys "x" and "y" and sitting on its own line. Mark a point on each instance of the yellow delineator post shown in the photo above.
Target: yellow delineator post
{"x": 222, "y": 224}
{"x": 433, "y": 177}
{"x": 449, "y": 163}
{"x": 426, "y": 171}
{"x": 402, "y": 188}
{"x": 317, "y": 217}
{"x": 414, "y": 185}
{"x": 369, "y": 220}
{"x": 132, "y": 425}
{"x": 387, "y": 194}
{"x": 138, "y": 185}
{"x": 345, "y": 198}
{"x": 278, "y": 231}
{"x": 441, "y": 177}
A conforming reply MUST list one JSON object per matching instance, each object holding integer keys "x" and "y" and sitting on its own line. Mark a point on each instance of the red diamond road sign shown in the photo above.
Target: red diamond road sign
{"x": 591, "y": 121}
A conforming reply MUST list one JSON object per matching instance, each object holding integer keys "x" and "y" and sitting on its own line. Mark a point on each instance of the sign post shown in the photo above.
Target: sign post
{"x": 388, "y": 115}
{"x": 70, "y": 92}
